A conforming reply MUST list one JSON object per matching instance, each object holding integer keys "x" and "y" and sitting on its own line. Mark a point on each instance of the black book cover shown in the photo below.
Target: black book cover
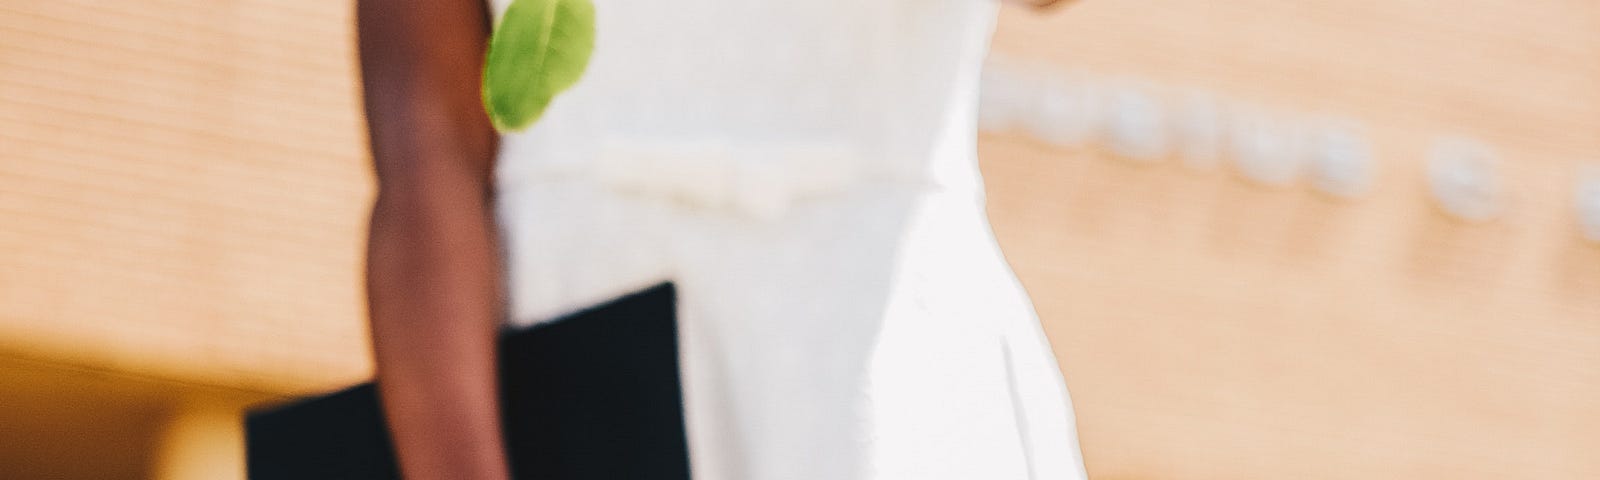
{"x": 595, "y": 395}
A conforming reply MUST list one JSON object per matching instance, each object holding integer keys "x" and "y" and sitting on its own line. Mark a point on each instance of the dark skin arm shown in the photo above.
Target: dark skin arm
{"x": 433, "y": 275}
{"x": 1042, "y": 4}
{"x": 433, "y": 280}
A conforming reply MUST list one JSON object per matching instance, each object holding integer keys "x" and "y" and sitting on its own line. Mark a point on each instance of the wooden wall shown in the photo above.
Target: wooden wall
{"x": 1212, "y": 328}
{"x": 183, "y": 184}
{"x": 182, "y": 192}
{"x": 182, "y": 189}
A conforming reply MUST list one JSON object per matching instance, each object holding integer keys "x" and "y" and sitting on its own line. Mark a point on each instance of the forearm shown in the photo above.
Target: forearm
{"x": 433, "y": 299}
{"x": 432, "y": 266}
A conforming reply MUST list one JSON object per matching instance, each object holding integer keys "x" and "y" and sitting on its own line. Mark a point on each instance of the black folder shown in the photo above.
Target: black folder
{"x": 594, "y": 395}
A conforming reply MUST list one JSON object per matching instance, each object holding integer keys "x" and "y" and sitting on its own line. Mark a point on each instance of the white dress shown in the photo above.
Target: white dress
{"x": 804, "y": 172}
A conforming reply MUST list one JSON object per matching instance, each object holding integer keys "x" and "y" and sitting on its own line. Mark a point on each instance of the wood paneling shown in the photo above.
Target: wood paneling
{"x": 1211, "y": 328}
{"x": 182, "y": 189}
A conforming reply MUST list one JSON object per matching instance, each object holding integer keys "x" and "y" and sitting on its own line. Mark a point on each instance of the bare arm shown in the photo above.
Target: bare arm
{"x": 1041, "y": 4}
{"x": 432, "y": 268}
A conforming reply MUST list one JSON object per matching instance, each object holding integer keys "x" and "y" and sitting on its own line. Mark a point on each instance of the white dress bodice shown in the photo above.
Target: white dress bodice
{"x": 804, "y": 172}
{"x": 889, "y": 81}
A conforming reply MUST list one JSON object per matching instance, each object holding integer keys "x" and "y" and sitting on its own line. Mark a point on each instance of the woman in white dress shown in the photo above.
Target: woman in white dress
{"x": 802, "y": 171}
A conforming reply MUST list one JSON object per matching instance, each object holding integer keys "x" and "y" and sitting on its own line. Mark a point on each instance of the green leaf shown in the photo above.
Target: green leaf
{"x": 539, "y": 49}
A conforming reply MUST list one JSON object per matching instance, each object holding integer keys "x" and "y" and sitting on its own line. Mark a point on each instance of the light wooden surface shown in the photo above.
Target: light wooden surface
{"x": 182, "y": 191}
{"x": 1210, "y": 328}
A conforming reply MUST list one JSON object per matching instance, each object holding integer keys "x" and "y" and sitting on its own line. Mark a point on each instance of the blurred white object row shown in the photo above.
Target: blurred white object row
{"x": 1198, "y": 129}
{"x": 1202, "y": 132}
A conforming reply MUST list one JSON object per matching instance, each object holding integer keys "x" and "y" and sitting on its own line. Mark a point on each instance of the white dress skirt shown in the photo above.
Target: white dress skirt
{"x": 804, "y": 173}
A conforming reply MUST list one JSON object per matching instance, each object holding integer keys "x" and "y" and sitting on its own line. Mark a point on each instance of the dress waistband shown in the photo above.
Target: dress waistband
{"x": 761, "y": 180}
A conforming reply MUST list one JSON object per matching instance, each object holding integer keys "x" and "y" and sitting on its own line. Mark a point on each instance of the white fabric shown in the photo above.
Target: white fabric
{"x": 804, "y": 172}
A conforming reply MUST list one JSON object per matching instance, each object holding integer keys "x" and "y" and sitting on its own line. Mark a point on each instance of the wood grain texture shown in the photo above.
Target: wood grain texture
{"x": 183, "y": 186}
{"x": 1211, "y": 328}
{"x": 182, "y": 189}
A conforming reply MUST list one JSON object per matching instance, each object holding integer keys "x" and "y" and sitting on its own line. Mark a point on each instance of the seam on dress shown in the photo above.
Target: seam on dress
{"x": 1017, "y": 409}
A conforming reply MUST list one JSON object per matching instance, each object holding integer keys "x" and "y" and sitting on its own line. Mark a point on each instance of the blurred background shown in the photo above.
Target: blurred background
{"x": 1321, "y": 239}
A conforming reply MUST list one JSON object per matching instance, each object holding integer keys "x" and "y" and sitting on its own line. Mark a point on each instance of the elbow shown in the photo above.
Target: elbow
{"x": 1045, "y": 4}
{"x": 420, "y": 187}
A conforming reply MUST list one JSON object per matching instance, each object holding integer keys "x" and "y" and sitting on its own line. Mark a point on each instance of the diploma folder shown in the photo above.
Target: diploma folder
{"x": 593, "y": 395}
